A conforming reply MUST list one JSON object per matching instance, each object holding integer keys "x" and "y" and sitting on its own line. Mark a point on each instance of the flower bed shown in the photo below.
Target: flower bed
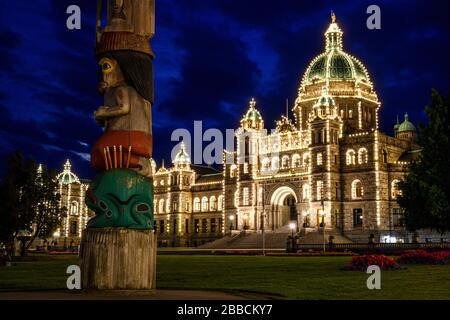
{"x": 363, "y": 262}
{"x": 424, "y": 257}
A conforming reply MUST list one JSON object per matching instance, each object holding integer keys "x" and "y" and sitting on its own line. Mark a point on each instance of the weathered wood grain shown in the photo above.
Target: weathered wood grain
{"x": 118, "y": 259}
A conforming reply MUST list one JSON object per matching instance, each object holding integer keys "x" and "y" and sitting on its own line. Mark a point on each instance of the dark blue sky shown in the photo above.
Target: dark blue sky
{"x": 211, "y": 58}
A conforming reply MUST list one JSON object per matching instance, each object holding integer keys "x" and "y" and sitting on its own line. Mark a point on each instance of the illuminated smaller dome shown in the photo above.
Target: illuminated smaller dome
{"x": 67, "y": 176}
{"x": 182, "y": 157}
{"x": 325, "y": 100}
{"x": 252, "y": 119}
{"x": 406, "y": 125}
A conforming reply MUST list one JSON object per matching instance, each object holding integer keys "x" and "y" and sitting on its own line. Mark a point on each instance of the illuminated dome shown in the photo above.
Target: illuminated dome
{"x": 406, "y": 125}
{"x": 182, "y": 157}
{"x": 252, "y": 119}
{"x": 67, "y": 176}
{"x": 325, "y": 100}
{"x": 334, "y": 63}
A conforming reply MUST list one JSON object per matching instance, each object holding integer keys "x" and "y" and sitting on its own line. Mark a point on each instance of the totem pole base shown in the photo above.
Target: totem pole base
{"x": 114, "y": 259}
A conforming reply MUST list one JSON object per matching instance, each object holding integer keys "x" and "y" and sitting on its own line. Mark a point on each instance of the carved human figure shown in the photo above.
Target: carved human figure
{"x": 125, "y": 114}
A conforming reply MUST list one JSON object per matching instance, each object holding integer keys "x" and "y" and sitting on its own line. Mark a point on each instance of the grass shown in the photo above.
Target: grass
{"x": 254, "y": 277}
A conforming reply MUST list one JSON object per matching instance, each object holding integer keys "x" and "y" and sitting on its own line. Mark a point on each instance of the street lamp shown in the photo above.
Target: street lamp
{"x": 292, "y": 226}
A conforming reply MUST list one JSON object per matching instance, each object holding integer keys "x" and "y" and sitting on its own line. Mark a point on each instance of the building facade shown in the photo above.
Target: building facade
{"x": 330, "y": 166}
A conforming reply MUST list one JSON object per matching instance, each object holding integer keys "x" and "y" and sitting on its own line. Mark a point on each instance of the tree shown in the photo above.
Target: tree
{"x": 29, "y": 202}
{"x": 425, "y": 195}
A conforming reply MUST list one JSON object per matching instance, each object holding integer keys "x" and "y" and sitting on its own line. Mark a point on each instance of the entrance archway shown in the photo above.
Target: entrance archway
{"x": 283, "y": 206}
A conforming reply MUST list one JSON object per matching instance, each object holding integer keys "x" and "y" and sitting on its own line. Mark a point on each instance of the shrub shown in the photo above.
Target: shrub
{"x": 424, "y": 257}
{"x": 363, "y": 262}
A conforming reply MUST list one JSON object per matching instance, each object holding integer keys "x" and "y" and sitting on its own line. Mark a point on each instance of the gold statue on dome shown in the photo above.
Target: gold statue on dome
{"x": 333, "y": 17}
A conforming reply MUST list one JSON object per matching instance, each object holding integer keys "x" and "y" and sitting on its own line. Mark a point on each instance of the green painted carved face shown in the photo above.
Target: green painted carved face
{"x": 121, "y": 199}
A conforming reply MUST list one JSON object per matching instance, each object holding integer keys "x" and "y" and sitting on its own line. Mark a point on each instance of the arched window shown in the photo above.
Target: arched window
{"x": 350, "y": 157}
{"x": 285, "y": 162}
{"x": 74, "y": 208}
{"x": 275, "y": 163}
{"x": 306, "y": 158}
{"x": 395, "y": 190}
{"x": 204, "y": 204}
{"x": 213, "y": 203}
{"x": 296, "y": 161}
{"x": 196, "y": 204}
{"x": 363, "y": 156}
{"x": 305, "y": 191}
{"x": 220, "y": 203}
{"x": 357, "y": 189}
{"x": 161, "y": 206}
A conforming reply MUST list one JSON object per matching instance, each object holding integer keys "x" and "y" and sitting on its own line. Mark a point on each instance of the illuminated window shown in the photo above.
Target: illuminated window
{"x": 265, "y": 164}
{"x": 285, "y": 162}
{"x": 196, "y": 204}
{"x": 319, "y": 190}
{"x": 306, "y": 158}
{"x": 275, "y": 163}
{"x": 305, "y": 191}
{"x": 204, "y": 204}
{"x": 350, "y": 114}
{"x": 296, "y": 161}
{"x": 395, "y": 190}
{"x": 350, "y": 157}
{"x": 246, "y": 167}
{"x": 74, "y": 208}
{"x": 213, "y": 203}
{"x": 357, "y": 190}
{"x": 363, "y": 156}
{"x": 236, "y": 198}
{"x": 233, "y": 171}
{"x": 161, "y": 206}
{"x": 220, "y": 203}
{"x": 319, "y": 159}
{"x": 246, "y": 197}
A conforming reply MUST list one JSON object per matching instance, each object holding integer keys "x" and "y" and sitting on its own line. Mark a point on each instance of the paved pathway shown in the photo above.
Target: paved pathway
{"x": 119, "y": 295}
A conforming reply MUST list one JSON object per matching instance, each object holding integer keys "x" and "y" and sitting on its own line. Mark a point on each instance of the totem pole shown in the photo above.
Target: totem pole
{"x": 118, "y": 248}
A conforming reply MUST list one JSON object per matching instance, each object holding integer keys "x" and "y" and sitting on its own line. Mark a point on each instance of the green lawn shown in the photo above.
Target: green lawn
{"x": 255, "y": 277}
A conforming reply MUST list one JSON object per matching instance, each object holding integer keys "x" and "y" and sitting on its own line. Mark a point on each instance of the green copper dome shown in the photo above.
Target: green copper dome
{"x": 325, "y": 100}
{"x": 334, "y": 63}
{"x": 252, "y": 118}
{"x": 406, "y": 125}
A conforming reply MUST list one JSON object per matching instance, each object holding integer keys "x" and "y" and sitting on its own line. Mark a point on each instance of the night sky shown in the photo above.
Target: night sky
{"x": 212, "y": 56}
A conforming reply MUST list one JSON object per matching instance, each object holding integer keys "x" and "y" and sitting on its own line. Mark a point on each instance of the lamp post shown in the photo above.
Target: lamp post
{"x": 292, "y": 226}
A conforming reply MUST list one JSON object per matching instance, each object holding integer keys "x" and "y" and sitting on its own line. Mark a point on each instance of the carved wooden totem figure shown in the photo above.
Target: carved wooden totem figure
{"x": 121, "y": 195}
